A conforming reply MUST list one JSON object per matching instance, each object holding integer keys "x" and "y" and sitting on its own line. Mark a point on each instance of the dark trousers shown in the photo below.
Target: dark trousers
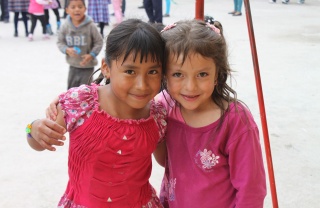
{"x": 24, "y": 19}
{"x": 34, "y": 19}
{"x": 123, "y": 6}
{"x": 79, "y": 76}
{"x": 4, "y": 10}
{"x": 47, "y": 17}
{"x": 154, "y": 10}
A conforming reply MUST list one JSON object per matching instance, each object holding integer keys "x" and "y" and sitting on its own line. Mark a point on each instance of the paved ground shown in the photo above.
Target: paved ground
{"x": 288, "y": 45}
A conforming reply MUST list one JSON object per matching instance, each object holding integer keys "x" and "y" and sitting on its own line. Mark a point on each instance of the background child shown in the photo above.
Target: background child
{"x": 79, "y": 31}
{"x": 114, "y": 128}
{"x": 118, "y": 13}
{"x": 99, "y": 11}
{"x": 36, "y": 11}
{"x": 237, "y": 8}
{"x": 19, "y": 6}
{"x": 168, "y": 5}
{"x": 214, "y": 157}
{"x": 55, "y": 8}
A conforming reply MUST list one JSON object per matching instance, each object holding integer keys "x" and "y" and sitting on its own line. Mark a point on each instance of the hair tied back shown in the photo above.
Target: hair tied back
{"x": 214, "y": 28}
{"x": 168, "y": 27}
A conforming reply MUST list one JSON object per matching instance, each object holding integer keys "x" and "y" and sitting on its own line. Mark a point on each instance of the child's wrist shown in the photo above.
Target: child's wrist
{"x": 29, "y": 128}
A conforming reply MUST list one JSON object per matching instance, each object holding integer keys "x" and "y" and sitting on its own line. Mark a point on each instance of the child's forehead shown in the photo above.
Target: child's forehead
{"x": 180, "y": 57}
{"x": 137, "y": 57}
{"x": 76, "y": 2}
{"x": 190, "y": 56}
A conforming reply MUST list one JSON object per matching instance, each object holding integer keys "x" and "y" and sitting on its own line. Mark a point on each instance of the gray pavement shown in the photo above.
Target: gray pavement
{"x": 288, "y": 46}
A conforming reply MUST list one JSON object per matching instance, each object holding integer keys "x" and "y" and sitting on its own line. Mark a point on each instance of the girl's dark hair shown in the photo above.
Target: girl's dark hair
{"x": 133, "y": 36}
{"x": 195, "y": 36}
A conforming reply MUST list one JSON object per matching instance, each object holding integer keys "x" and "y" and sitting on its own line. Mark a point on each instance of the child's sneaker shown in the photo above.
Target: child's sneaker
{"x": 49, "y": 30}
{"x": 46, "y": 37}
{"x": 285, "y": 1}
{"x": 272, "y": 1}
{"x": 58, "y": 25}
{"x": 30, "y": 37}
{"x": 300, "y": 1}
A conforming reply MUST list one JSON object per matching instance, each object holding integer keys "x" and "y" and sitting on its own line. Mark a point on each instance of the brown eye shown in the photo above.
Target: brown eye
{"x": 203, "y": 74}
{"x": 177, "y": 75}
{"x": 129, "y": 72}
{"x": 153, "y": 72}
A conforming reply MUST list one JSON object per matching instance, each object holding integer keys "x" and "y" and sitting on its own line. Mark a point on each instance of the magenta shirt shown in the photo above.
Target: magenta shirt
{"x": 209, "y": 167}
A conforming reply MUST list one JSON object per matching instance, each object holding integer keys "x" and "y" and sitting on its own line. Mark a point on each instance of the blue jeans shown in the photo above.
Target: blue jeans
{"x": 168, "y": 4}
{"x": 237, "y": 5}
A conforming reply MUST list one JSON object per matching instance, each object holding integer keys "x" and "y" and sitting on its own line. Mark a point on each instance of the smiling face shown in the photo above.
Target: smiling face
{"x": 76, "y": 9}
{"x": 133, "y": 84}
{"x": 191, "y": 84}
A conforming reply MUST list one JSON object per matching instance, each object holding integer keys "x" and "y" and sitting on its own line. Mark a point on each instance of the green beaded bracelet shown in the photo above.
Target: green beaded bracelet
{"x": 28, "y": 129}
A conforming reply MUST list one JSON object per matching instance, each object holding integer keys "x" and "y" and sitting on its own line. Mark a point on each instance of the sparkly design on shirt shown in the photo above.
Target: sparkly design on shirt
{"x": 171, "y": 188}
{"x": 207, "y": 158}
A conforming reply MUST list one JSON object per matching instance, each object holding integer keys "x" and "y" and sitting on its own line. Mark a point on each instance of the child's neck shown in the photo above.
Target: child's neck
{"x": 77, "y": 23}
{"x": 201, "y": 117}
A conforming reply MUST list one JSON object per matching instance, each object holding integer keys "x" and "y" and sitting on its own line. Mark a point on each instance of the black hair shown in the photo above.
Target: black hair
{"x": 133, "y": 36}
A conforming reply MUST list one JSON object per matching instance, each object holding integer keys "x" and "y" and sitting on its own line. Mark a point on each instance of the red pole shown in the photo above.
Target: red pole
{"x": 199, "y": 9}
{"x": 261, "y": 105}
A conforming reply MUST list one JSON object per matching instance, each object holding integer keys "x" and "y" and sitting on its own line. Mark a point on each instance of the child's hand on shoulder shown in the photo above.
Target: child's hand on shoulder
{"x": 86, "y": 59}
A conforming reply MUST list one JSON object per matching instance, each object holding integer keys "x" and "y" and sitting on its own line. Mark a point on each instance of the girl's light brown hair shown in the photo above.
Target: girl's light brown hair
{"x": 195, "y": 36}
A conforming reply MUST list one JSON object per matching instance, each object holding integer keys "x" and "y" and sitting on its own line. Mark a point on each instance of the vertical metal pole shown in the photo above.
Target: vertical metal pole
{"x": 199, "y": 10}
{"x": 261, "y": 105}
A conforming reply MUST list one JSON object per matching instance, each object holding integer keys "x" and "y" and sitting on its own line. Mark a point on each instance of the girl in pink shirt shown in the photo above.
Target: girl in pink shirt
{"x": 213, "y": 157}
{"x": 36, "y": 10}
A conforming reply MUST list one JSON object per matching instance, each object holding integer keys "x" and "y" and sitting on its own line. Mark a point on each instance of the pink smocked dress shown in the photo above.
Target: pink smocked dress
{"x": 109, "y": 158}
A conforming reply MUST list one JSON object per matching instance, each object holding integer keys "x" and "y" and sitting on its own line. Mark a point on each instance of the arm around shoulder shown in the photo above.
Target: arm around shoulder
{"x": 44, "y": 133}
{"x": 160, "y": 153}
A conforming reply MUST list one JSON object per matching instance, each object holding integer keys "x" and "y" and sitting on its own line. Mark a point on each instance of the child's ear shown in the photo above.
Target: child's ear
{"x": 105, "y": 69}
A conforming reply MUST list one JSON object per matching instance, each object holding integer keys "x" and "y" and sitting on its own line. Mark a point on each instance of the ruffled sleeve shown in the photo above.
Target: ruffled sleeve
{"x": 159, "y": 113}
{"x": 78, "y": 104}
